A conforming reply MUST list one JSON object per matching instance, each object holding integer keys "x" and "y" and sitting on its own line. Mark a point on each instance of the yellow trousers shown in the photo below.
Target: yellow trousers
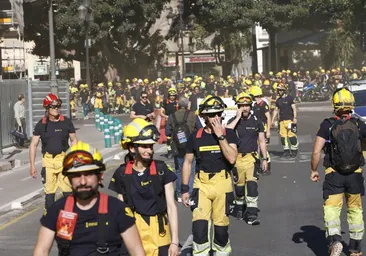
{"x": 53, "y": 174}
{"x": 154, "y": 243}
{"x": 287, "y": 135}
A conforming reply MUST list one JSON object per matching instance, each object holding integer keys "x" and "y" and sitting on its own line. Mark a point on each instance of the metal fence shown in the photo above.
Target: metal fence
{"x": 34, "y": 92}
{"x": 9, "y": 91}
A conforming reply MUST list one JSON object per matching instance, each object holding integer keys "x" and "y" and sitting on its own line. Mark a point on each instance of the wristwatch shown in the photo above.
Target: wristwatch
{"x": 222, "y": 137}
{"x": 265, "y": 159}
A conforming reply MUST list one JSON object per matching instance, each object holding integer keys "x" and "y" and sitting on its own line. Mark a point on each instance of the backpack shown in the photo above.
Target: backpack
{"x": 345, "y": 149}
{"x": 180, "y": 132}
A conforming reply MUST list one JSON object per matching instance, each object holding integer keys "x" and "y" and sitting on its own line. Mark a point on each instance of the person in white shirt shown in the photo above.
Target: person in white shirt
{"x": 19, "y": 115}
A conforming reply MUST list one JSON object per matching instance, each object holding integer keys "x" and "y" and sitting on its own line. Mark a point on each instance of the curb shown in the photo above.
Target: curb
{"x": 22, "y": 202}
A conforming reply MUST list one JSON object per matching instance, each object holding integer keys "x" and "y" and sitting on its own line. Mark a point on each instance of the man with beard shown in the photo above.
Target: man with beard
{"x": 250, "y": 131}
{"x": 87, "y": 222}
{"x": 146, "y": 185}
{"x": 215, "y": 150}
{"x": 54, "y": 130}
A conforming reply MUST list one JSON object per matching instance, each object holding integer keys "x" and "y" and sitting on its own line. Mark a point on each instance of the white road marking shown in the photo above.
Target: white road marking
{"x": 26, "y": 178}
{"x": 89, "y": 124}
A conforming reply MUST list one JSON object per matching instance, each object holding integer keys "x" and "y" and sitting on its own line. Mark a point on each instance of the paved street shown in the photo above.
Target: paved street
{"x": 291, "y": 206}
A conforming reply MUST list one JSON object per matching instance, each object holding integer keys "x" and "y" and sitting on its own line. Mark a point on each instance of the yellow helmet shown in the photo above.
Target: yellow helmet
{"x": 146, "y": 81}
{"x": 118, "y": 84}
{"x": 212, "y": 104}
{"x": 256, "y": 91}
{"x": 248, "y": 82}
{"x": 343, "y": 99}
{"x": 307, "y": 72}
{"x": 271, "y": 73}
{"x": 99, "y": 94}
{"x": 288, "y": 71}
{"x": 172, "y": 92}
{"x": 243, "y": 99}
{"x": 266, "y": 82}
{"x": 100, "y": 85}
{"x": 322, "y": 71}
{"x": 82, "y": 157}
{"x": 212, "y": 77}
{"x": 274, "y": 86}
{"x": 188, "y": 79}
{"x": 139, "y": 131}
{"x": 281, "y": 87}
{"x": 294, "y": 74}
{"x": 279, "y": 74}
{"x": 127, "y": 81}
{"x": 134, "y": 80}
{"x": 194, "y": 85}
{"x": 231, "y": 81}
{"x": 110, "y": 84}
{"x": 228, "y": 77}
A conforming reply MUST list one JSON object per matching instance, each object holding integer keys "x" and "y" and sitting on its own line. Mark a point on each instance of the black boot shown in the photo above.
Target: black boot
{"x": 238, "y": 211}
{"x": 355, "y": 247}
{"x": 294, "y": 153}
{"x": 286, "y": 153}
{"x": 251, "y": 216}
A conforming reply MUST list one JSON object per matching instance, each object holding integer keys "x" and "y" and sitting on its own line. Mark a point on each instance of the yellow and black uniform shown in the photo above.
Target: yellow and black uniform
{"x": 286, "y": 115}
{"x": 247, "y": 166}
{"x": 55, "y": 142}
{"x": 212, "y": 192}
{"x": 85, "y": 238}
{"x": 145, "y": 194}
{"x": 335, "y": 186}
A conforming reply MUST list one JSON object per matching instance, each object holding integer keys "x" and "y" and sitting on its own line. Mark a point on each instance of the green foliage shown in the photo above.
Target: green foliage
{"x": 121, "y": 32}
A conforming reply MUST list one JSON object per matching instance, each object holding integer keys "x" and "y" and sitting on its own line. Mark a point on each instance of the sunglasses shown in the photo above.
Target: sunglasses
{"x": 211, "y": 115}
{"x": 55, "y": 106}
{"x": 144, "y": 97}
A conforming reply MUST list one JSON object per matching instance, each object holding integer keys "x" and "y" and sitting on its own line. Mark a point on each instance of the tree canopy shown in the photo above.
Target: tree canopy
{"x": 121, "y": 32}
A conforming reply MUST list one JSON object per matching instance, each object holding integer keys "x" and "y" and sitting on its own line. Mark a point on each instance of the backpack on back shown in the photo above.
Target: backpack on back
{"x": 181, "y": 131}
{"x": 345, "y": 145}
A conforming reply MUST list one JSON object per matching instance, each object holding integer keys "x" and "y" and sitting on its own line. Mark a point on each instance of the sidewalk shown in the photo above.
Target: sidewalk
{"x": 85, "y": 130}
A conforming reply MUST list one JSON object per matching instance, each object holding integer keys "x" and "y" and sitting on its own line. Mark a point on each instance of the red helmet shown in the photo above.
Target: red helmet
{"x": 51, "y": 99}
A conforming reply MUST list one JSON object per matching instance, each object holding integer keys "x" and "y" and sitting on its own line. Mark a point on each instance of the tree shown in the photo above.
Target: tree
{"x": 122, "y": 33}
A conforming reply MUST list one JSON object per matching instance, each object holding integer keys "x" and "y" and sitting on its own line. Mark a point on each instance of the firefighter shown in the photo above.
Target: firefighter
{"x": 286, "y": 108}
{"x": 170, "y": 106}
{"x": 54, "y": 131}
{"x": 250, "y": 131}
{"x": 340, "y": 137}
{"x": 261, "y": 111}
{"x": 215, "y": 150}
{"x": 146, "y": 185}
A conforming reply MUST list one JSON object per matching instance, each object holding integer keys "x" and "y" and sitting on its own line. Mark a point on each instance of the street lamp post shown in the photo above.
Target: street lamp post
{"x": 53, "y": 79}
{"x": 85, "y": 15}
{"x": 181, "y": 29}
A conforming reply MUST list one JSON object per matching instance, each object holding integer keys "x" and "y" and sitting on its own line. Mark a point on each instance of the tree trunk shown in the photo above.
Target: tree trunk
{"x": 226, "y": 68}
{"x": 272, "y": 51}
{"x": 254, "y": 54}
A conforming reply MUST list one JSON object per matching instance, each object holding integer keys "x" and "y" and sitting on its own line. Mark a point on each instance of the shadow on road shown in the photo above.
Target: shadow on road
{"x": 315, "y": 239}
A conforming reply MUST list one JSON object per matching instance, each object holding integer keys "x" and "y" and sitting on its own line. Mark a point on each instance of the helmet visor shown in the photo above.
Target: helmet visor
{"x": 244, "y": 101}
{"x": 81, "y": 161}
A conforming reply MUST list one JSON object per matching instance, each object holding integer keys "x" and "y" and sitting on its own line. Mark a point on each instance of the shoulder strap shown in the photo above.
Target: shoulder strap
{"x": 260, "y": 104}
{"x": 102, "y": 245}
{"x": 128, "y": 169}
{"x": 103, "y": 203}
{"x": 69, "y": 205}
{"x": 185, "y": 117}
{"x": 152, "y": 168}
{"x": 199, "y": 133}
